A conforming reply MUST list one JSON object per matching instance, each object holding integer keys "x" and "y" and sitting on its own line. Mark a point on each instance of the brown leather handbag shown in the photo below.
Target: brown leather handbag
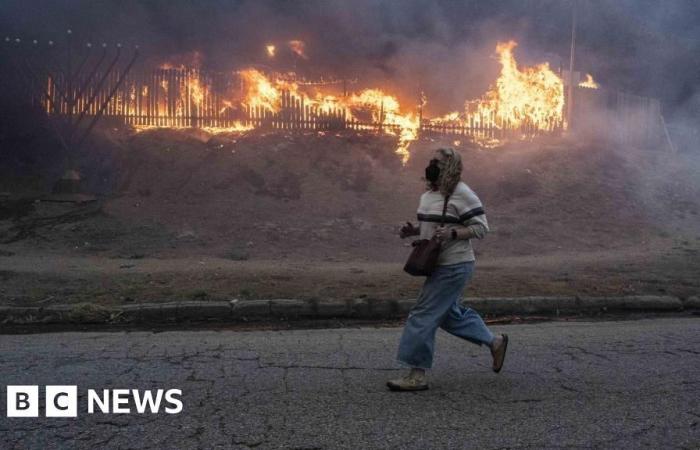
{"x": 424, "y": 256}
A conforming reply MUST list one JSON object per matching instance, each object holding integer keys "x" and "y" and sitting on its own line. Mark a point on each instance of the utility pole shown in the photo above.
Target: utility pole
{"x": 570, "y": 94}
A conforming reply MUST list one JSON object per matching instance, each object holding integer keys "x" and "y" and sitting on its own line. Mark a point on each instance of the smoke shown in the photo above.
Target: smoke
{"x": 444, "y": 48}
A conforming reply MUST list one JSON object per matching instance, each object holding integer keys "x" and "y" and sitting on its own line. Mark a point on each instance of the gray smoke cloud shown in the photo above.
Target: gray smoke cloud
{"x": 442, "y": 47}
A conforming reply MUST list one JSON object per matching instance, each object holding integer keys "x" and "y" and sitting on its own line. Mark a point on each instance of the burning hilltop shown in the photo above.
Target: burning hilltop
{"x": 522, "y": 101}
{"x": 529, "y": 96}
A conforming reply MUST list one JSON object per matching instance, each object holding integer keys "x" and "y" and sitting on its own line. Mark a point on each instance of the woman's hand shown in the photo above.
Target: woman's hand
{"x": 408, "y": 230}
{"x": 443, "y": 234}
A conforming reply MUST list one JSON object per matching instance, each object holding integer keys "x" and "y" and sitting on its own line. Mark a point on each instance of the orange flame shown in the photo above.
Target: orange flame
{"x": 236, "y": 127}
{"x": 264, "y": 92}
{"x": 385, "y": 109}
{"x": 588, "y": 82}
{"x": 522, "y": 98}
{"x": 197, "y": 90}
{"x": 532, "y": 96}
{"x": 298, "y": 47}
{"x": 535, "y": 94}
{"x": 260, "y": 91}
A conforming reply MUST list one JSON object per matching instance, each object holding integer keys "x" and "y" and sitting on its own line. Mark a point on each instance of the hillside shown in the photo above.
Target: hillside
{"x": 343, "y": 196}
{"x": 294, "y": 215}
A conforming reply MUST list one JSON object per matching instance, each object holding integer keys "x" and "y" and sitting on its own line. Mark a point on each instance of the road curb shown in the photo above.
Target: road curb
{"x": 559, "y": 305}
{"x": 692, "y": 303}
{"x": 366, "y": 308}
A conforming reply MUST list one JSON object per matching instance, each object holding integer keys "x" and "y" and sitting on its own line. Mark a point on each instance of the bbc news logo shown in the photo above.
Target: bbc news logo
{"x": 62, "y": 401}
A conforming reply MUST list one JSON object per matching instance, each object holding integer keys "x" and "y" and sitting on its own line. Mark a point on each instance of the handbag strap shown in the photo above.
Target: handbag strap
{"x": 444, "y": 210}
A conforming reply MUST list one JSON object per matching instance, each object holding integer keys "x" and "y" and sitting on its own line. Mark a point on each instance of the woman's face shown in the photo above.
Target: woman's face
{"x": 432, "y": 171}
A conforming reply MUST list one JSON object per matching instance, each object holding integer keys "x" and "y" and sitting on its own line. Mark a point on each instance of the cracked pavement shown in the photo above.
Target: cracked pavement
{"x": 605, "y": 384}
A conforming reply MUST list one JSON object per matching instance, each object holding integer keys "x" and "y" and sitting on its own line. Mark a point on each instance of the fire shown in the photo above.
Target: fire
{"x": 194, "y": 104}
{"x": 532, "y": 96}
{"x": 521, "y": 99}
{"x": 450, "y": 117}
{"x": 298, "y": 47}
{"x": 385, "y": 109}
{"x": 588, "y": 82}
{"x": 261, "y": 91}
{"x": 197, "y": 90}
{"x": 227, "y": 105}
{"x": 236, "y": 127}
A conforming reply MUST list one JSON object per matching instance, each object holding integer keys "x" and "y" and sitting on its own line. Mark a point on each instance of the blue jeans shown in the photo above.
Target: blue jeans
{"x": 439, "y": 305}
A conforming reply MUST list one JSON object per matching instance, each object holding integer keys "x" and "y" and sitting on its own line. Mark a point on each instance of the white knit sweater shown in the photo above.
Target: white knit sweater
{"x": 464, "y": 209}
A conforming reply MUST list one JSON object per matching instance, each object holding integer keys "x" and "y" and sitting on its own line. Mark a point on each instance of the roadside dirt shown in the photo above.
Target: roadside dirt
{"x": 46, "y": 280}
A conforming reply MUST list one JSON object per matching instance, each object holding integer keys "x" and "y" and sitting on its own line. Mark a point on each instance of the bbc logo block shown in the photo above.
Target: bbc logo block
{"x": 61, "y": 401}
{"x": 22, "y": 401}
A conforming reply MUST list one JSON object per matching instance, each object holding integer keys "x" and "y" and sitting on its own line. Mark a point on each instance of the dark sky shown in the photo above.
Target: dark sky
{"x": 445, "y": 47}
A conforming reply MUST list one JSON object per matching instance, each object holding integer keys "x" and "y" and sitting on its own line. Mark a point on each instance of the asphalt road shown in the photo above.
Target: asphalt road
{"x": 623, "y": 384}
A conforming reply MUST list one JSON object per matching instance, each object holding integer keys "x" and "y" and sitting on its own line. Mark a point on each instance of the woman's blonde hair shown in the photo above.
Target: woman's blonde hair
{"x": 450, "y": 171}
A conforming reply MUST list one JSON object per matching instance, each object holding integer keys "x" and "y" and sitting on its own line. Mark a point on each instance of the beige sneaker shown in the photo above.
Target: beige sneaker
{"x": 409, "y": 383}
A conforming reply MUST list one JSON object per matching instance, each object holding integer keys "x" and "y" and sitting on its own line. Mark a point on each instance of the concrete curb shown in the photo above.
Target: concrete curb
{"x": 244, "y": 310}
{"x": 692, "y": 303}
{"x": 559, "y": 305}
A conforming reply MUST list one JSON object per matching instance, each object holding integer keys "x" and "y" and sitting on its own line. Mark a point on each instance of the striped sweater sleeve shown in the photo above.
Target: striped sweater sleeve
{"x": 471, "y": 214}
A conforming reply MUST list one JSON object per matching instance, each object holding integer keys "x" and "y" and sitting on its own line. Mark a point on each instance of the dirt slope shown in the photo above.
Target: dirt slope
{"x": 342, "y": 195}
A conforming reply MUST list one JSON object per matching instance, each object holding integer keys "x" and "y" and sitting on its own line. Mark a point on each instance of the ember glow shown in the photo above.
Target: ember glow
{"x": 270, "y": 49}
{"x": 588, "y": 82}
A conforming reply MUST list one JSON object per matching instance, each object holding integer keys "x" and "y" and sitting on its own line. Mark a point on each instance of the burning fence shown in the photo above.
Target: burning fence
{"x": 522, "y": 102}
